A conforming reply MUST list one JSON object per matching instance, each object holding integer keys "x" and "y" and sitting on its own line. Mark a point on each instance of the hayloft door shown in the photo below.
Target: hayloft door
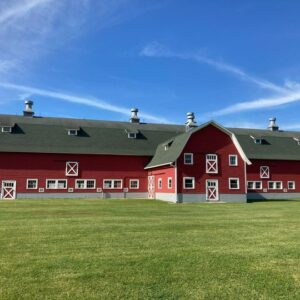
{"x": 151, "y": 187}
{"x": 212, "y": 190}
{"x": 8, "y": 189}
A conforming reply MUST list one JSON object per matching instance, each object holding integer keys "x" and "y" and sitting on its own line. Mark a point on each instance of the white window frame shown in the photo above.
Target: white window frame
{"x": 274, "y": 185}
{"x": 131, "y": 135}
{"x": 36, "y": 183}
{"x": 191, "y": 156}
{"x": 293, "y": 183}
{"x": 85, "y": 187}
{"x": 211, "y": 163}
{"x": 3, "y": 129}
{"x": 113, "y": 184}
{"x": 254, "y": 185}
{"x": 159, "y": 184}
{"x": 137, "y": 186}
{"x": 72, "y": 132}
{"x": 264, "y": 172}
{"x": 236, "y": 160}
{"x": 238, "y": 183}
{"x": 72, "y": 168}
{"x": 193, "y": 182}
{"x": 170, "y": 183}
{"x": 56, "y": 184}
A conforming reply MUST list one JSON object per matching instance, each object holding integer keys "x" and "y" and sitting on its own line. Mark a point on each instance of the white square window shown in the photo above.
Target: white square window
{"x": 188, "y": 182}
{"x": 72, "y": 131}
{"x": 32, "y": 184}
{"x": 234, "y": 183}
{"x": 169, "y": 183}
{"x": 264, "y": 172}
{"x": 134, "y": 183}
{"x": 188, "y": 158}
{"x": 6, "y": 129}
{"x": 212, "y": 163}
{"x": 233, "y": 160}
{"x": 72, "y": 168}
{"x": 132, "y": 135}
{"x": 291, "y": 185}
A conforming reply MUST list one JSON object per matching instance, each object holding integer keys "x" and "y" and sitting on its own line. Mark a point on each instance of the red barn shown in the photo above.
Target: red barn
{"x": 70, "y": 158}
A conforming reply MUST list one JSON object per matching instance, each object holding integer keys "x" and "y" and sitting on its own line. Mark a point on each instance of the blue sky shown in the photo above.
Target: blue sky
{"x": 237, "y": 62}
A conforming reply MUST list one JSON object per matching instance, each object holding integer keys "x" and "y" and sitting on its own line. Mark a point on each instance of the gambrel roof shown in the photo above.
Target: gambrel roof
{"x": 50, "y": 135}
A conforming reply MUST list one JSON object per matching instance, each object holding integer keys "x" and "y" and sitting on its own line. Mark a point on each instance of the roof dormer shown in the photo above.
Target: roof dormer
{"x": 132, "y": 133}
{"x": 7, "y": 128}
{"x": 73, "y": 131}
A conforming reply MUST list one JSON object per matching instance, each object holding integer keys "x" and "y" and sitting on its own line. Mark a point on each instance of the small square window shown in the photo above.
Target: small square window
{"x": 233, "y": 160}
{"x": 188, "y": 182}
{"x": 291, "y": 185}
{"x": 134, "y": 183}
{"x": 132, "y": 135}
{"x": 188, "y": 158}
{"x": 234, "y": 183}
{"x": 6, "y": 129}
{"x": 72, "y": 131}
{"x": 32, "y": 184}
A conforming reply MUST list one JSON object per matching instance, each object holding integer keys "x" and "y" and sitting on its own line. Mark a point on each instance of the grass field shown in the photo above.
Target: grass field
{"x": 143, "y": 249}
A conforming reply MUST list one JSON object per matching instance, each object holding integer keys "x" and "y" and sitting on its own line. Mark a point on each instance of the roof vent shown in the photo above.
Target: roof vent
{"x": 272, "y": 124}
{"x": 190, "y": 123}
{"x": 28, "y": 112}
{"x": 134, "y": 116}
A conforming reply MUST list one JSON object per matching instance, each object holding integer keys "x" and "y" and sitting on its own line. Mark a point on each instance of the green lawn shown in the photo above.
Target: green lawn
{"x": 143, "y": 249}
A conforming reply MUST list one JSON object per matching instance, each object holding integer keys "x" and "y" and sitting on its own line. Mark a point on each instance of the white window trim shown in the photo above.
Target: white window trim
{"x": 6, "y": 131}
{"x": 170, "y": 179}
{"x": 274, "y": 183}
{"x": 112, "y": 184}
{"x": 215, "y": 160}
{"x": 193, "y": 181}
{"x": 73, "y": 132}
{"x": 159, "y": 184}
{"x": 236, "y": 160}
{"x": 261, "y": 173}
{"x": 85, "y": 184}
{"x": 131, "y": 135}
{"x": 37, "y": 184}
{"x": 70, "y": 169}
{"x": 138, "y": 184}
{"x": 192, "y": 158}
{"x": 238, "y": 183}
{"x": 294, "y": 185}
{"x": 56, "y": 184}
{"x": 254, "y": 185}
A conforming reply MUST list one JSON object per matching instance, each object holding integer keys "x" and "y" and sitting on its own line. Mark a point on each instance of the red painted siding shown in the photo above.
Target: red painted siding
{"x": 23, "y": 166}
{"x": 164, "y": 173}
{"x": 279, "y": 171}
{"x": 211, "y": 140}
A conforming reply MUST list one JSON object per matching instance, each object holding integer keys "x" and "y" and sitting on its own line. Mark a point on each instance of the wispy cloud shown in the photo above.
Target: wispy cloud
{"x": 88, "y": 101}
{"x": 157, "y": 50}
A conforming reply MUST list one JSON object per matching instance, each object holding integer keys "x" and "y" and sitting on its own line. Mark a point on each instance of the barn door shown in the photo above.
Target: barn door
{"x": 212, "y": 191}
{"x": 8, "y": 189}
{"x": 151, "y": 187}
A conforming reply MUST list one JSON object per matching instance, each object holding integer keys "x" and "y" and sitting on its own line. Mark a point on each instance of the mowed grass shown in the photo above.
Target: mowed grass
{"x": 145, "y": 249}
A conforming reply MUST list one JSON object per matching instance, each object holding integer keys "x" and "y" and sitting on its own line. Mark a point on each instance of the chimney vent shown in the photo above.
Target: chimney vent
{"x": 134, "y": 116}
{"x": 28, "y": 112}
{"x": 190, "y": 123}
{"x": 272, "y": 124}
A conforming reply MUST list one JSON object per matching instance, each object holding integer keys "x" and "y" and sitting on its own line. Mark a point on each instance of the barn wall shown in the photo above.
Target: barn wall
{"x": 279, "y": 171}
{"x": 23, "y": 166}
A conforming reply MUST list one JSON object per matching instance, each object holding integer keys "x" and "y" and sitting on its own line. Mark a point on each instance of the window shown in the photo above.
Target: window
{"x": 72, "y": 131}
{"x": 291, "y": 185}
{"x": 169, "y": 183}
{"x": 72, "y": 168}
{"x": 188, "y": 158}
{"x": 188, "y": 182}
{"x": 32, "y": 184}
{"x": 132, "y": 135}
{"x": 112, "y": 183}
{"x": 233, "y": 161}
{"x": 234, "y": 183}
{"x": 275, "y": 185}
{"x": 264, "y": 172}
{"x": 211, "y": 163}
{"x": 134, "y": 183}
{"x": 85, "y": 183}
{"x": 159, "y": 183}
{"x": 52, "y": 184}
{"x": 254, "y": 185}
{"x": 7, "y": 129}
